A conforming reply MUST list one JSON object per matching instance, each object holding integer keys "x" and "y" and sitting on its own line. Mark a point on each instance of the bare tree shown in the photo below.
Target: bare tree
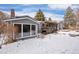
{"x": 4, "y": 16}
{"x": 6, "y": 33}
{"x": 69, "y": 19}
{"x": 6, "y": 30}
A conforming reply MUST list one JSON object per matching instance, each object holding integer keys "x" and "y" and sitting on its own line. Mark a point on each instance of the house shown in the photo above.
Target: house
{"x": 49, "y": 27}
{"x": 26, "y": 26}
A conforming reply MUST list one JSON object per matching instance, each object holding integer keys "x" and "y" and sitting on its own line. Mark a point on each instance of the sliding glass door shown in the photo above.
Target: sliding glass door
{"x": 26, "y": 30}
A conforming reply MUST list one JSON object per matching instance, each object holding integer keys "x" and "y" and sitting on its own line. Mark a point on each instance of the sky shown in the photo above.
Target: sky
{"x": 55, "y": 11}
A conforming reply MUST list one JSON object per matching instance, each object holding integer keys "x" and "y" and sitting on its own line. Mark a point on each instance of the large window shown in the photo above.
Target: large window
{"x": 18, "y": 30}
{"x": 26, "y": 30}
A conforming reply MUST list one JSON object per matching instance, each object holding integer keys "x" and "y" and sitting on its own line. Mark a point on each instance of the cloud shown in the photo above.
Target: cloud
{"x": 25, "y": 4}
{"x": 63, "y": 6}
{"x": 58, "y": 6}
{"x": 53, "y": 16}
{"x": 31, "y": 14}
{"x": 75, "y": 6}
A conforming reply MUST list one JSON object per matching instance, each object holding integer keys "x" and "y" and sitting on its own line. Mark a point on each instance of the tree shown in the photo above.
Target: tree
{"x": 40, "y": 16}
{"x": 2, "y": 26}
{"x": 69, "y": 18}
{"x": 6, "y": 33}
{"x": 6, "y": 30}
{"x": 3, "y": 16}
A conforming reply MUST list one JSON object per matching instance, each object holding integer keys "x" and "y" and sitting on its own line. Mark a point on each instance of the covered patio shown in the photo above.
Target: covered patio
{"x": 26, "y": 27}
{"x": 26, "y": 30}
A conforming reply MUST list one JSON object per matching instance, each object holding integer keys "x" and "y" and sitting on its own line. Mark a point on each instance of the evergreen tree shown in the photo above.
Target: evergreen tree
{"x": 69, "y": 18}
{"x": 40, "y": 16}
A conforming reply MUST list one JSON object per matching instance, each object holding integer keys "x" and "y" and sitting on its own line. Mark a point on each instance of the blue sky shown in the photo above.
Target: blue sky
{"x": 55, "y": 11}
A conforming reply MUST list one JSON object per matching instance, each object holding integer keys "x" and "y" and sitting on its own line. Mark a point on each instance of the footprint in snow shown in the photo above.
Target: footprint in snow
{"x": 18, "y": 44}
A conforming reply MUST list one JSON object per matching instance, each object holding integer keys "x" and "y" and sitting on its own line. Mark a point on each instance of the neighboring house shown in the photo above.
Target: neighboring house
{"x": 26, "y": 26}
{"x": 49, "y": 27}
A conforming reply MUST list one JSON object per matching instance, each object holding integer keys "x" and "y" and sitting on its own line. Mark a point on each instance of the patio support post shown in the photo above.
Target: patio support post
{"x": 36, "y": 30}
{"x": 21, "y": 30}
{"x": 13, "y": 32}
{"x": 30, "y": 30}
{"x": 58, "y": 26}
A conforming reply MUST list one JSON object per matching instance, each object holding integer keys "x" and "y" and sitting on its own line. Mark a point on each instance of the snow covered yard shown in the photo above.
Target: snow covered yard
{"x": 52, "y": 43}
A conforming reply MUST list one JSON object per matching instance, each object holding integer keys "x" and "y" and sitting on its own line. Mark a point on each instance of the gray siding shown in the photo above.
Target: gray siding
{"x": 25, "y": 21}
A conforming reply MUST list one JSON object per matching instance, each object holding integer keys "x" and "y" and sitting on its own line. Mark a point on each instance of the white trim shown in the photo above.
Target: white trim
{"x": 13, "y": 32}
{"x": 25, "y": 23}
{"x": 30, "y": 29}
{"x": 36, "y": 29}
{"x": 21, "y": 30}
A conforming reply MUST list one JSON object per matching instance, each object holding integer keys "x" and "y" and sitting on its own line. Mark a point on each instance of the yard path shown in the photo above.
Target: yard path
{"x": 51, "y": 43}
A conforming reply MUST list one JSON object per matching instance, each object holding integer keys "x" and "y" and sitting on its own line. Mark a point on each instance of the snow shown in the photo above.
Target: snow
{"x": 2, "y": 39}
{"x": 56, "y": 43}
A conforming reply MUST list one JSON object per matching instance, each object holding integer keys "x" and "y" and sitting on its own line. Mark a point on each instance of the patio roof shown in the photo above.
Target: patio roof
{"x": 20, "y": 18}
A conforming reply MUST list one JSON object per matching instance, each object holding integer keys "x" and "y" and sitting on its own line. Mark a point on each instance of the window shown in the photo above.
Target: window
{"x": 26, "y": 30}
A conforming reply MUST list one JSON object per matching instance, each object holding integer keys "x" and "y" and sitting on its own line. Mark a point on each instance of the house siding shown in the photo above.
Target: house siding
{"x": 24, "y": 21}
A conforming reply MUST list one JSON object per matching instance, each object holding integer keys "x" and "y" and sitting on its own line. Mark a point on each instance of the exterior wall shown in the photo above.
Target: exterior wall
{"x": 49, "y": 27}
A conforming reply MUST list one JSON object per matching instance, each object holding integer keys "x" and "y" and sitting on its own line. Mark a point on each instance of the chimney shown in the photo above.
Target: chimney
{"x": 12, "y": 13}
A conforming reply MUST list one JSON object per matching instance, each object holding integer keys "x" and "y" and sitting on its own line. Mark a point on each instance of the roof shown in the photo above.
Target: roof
{"x": 20, "y": 18}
